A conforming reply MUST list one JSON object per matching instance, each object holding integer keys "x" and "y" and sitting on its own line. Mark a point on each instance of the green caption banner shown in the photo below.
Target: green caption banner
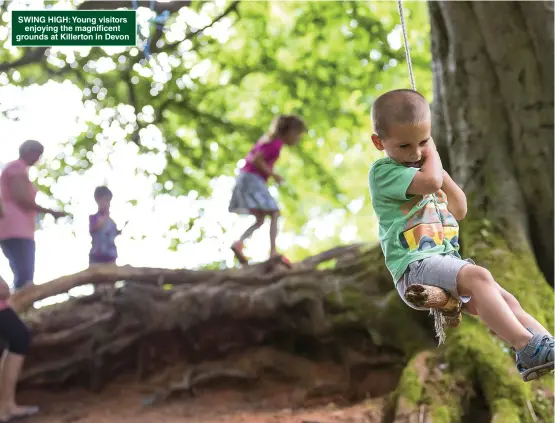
{"x": 94, "y": 28}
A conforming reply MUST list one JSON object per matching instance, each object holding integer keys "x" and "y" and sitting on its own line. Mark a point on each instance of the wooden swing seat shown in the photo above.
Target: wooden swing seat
{"x": 436, "y": 298}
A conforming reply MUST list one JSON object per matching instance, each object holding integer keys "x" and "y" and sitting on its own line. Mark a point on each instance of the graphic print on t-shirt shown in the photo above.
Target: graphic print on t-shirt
{"x": 430, "y": 225}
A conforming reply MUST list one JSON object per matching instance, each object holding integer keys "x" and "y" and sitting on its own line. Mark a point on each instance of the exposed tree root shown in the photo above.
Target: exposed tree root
{"x": 332, "y": 327}
{"x": 252, "y": 365}
{"x": 92, "y": 334}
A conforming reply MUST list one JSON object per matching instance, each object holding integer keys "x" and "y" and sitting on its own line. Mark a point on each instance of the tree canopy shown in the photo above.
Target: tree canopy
{"x": 218, "y": 74}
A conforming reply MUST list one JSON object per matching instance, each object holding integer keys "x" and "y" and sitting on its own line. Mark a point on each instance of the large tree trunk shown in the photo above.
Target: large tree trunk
{"x": 493, "y": 112}
{"x": 493, "y": 88}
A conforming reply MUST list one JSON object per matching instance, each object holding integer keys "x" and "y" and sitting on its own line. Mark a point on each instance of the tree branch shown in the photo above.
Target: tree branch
{"x": 256, "y": 274}
{"x": 31, "y": 56}
{"x": 231, "y": 8}
{"x": 171, "y": 6}
{"x": 37, "y": 55}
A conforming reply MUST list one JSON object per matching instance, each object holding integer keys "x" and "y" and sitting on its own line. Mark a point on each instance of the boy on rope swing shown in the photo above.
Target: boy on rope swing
{"x": 418, "y": 205}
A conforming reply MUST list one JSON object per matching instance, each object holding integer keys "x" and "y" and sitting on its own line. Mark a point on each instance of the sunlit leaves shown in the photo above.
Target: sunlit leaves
{"x": 198, "y": 105}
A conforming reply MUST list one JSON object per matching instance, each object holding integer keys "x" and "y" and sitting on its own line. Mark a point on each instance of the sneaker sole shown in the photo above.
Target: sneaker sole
{"x": 537, "y": 372}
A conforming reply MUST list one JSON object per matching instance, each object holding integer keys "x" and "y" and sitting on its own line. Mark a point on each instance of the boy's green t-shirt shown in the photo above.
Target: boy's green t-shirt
{"x": 411, "y": 227}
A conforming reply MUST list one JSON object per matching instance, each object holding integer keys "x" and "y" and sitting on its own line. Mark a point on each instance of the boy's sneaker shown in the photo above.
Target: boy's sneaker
{"x": 536, "y": 359}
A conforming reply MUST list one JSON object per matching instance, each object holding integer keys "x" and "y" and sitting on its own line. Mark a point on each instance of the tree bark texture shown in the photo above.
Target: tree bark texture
{"x": 493, "y": 88}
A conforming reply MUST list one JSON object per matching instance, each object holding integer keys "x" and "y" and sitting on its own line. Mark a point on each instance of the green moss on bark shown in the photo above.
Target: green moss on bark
{"x": 443, "y": 414}
{"x": 473, "y": 348}
{"x": 386, "y": 317}
{"x": 425, "y": 382}
{"x": 410, "y": 387}
{"x": 506, "y": 412}
{"x": 513, "y": 267}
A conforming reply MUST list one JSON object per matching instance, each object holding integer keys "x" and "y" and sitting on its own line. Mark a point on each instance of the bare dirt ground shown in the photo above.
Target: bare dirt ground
{"x": 122, "y": 402}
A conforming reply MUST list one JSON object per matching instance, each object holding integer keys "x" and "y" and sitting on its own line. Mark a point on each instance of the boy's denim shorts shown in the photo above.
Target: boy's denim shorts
{"x": 440, "y": 270}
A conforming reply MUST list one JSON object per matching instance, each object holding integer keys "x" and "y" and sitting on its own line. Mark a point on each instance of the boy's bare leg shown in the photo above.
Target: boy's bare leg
{"x": 490, "y": 305}
{"x": 523, "y": 317}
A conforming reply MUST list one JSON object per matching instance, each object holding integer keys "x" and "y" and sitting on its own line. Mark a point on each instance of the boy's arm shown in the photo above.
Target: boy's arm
{"x": 430, "y": 177}
{"x": 120, "y": 231}
{"x": 456, "y": 198}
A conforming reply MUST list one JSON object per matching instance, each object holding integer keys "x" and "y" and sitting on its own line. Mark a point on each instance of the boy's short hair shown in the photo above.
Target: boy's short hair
{"x": 102, "y": 192}
{"x": 399, "y": 107}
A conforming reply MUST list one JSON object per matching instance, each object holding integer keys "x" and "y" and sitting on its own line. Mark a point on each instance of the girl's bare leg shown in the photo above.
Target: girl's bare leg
{"x": 273, "y": 232}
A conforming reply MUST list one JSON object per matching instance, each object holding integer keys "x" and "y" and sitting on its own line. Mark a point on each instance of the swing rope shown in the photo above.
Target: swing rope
{"x": 442, "y": 318}
{"x": 406, "y": 42}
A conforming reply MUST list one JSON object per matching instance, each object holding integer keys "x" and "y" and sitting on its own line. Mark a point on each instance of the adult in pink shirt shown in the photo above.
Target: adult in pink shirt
{"x": 17, "y": 225}
{"x": 251, "y": 195}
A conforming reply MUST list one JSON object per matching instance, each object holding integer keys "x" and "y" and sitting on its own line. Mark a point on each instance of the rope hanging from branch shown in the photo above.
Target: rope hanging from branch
{"x": 406, "y": 43}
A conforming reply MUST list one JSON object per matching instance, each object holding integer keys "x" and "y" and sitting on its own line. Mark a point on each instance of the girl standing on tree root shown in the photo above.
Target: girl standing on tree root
{"x": 251, "y": 195}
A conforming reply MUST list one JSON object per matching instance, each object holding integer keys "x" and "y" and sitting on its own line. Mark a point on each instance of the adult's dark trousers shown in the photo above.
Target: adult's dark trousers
{"x": 20, "y": 253}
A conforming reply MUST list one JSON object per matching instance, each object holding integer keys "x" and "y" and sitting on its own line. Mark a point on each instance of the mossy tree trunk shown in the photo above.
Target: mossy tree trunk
{"x": 493, "y": 123}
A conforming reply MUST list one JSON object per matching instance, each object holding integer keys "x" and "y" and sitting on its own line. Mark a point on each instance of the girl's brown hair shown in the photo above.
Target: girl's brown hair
{"x": 282, "y": 124}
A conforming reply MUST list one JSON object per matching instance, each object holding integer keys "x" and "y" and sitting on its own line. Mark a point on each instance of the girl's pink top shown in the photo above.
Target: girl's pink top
{"x": 16, "y": 221}
{"x": 270, "y": 151}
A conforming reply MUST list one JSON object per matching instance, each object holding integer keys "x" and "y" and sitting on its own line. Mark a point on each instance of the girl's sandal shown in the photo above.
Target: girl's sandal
{"x": 282, "y": 259}
{"x": 237, "y": 249}
{"x": 286, "y": 262}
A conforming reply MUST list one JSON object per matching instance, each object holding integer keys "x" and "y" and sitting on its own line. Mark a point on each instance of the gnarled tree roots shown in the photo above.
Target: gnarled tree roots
{"x": 332, "y": 329}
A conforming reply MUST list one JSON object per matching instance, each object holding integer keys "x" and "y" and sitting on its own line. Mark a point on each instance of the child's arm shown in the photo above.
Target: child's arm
{"x": 430, "y": 177}
{"x": 260, "y": 163}
{"x": 97, "y": 222}
{"x": 456, "y": 198}
{"x": 120, "y": 231}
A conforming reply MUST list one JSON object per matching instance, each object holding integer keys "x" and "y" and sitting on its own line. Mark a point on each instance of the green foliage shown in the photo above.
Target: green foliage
{"x": 209, "y": 93}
